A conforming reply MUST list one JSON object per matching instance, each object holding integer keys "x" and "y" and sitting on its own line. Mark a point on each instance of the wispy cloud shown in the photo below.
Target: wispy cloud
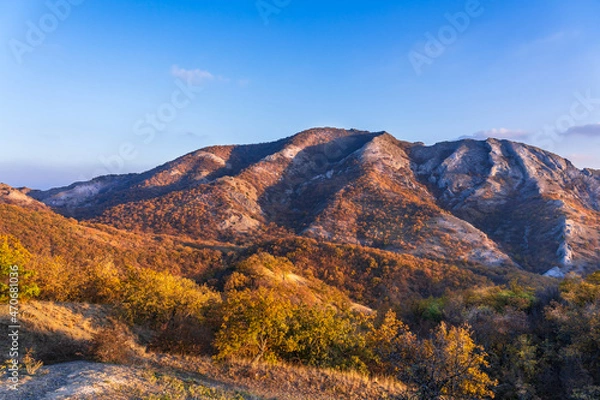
{"x": 194, "y": 136}
{"x": 500, "y": 133}
{"x": 550, "y": 41}
{"x": 591, "y": 130}
{"x": 557, "y": 37}
{"x": 192, "y": 76}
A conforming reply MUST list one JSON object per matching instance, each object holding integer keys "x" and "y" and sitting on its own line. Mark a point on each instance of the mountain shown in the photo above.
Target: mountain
{"x": 19, "y": 197}
{"x": 537, "y": 205}
{"x": 68, "y": 255}
{"x": 493, "y": 202}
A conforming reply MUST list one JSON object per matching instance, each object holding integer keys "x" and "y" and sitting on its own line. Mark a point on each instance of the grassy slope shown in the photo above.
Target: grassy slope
{"x": 70, "y": 326}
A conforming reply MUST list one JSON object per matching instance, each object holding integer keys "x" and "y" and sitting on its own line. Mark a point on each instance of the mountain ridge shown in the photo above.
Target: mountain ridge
{"x": 494, "y": 202}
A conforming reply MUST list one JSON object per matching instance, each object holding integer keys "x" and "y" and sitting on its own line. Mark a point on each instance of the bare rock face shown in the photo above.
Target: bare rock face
{"x": 493, "y": 202}
{"x": 536, "y": 205}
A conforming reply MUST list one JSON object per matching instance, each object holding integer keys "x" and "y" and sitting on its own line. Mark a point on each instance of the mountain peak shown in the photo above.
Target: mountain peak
{"x": 495, "y": 202}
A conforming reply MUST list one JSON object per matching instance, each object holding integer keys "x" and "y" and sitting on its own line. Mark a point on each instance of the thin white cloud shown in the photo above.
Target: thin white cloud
{"x": 500, "y": 133}
{"x": 192, "y": 76}
{"x": 556, "y": 37}
{"x": 591, "y": 130}
{"x": 194, "y": 135}
{"x": 549, "y": 41}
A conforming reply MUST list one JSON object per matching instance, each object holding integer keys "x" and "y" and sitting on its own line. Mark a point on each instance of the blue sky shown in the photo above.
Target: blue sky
{"x": 79, "y": 96}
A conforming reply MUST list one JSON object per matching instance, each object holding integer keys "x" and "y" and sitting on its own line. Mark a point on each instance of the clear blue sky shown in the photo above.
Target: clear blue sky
{"x": 74, "y": 101}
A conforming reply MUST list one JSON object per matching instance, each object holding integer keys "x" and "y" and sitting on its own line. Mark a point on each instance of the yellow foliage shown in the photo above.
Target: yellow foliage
{"x": 254, "y": 325}
{"x": 13, "y": 275}
{"x": 157, "y": 297}
{"x": 448, "y": 364}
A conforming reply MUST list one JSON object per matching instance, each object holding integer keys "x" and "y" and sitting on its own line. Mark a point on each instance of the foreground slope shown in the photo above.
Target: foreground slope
{"x": 60, "y": 332}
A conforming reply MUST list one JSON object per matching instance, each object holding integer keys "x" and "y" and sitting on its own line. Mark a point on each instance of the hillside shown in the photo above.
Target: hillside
{"x": 16, "y": 197}
{"x": 346, "y": 264}
{"x": 67, "y": 329}
{"x": 69, "y": 253}
{"x": 492, "y": 202}
{"x": 52, "y": 237}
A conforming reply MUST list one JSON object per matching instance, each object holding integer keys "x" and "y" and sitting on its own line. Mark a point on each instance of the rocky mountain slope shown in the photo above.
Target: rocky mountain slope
{"x": 492, "y": 202}
{"x": 16, "y": 197}
{"x": 536, "y": 205}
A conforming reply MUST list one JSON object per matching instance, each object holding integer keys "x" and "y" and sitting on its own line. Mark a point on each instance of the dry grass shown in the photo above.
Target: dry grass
{"x": 285, "y": 382}
{"x": 63, "y": 332}
{"x": 153, "y": 385}
{"x": 114, "y": 344}
{"x": 31, "y": 364}
{"x": 79, "y": 320}
{"x": 56, "y": 332}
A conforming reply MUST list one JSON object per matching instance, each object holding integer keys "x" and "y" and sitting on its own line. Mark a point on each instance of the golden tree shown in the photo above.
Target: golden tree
{"x": 254, "y": 325}
{"x": 449, "y": 365}
{"x": 13, "y": 258}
